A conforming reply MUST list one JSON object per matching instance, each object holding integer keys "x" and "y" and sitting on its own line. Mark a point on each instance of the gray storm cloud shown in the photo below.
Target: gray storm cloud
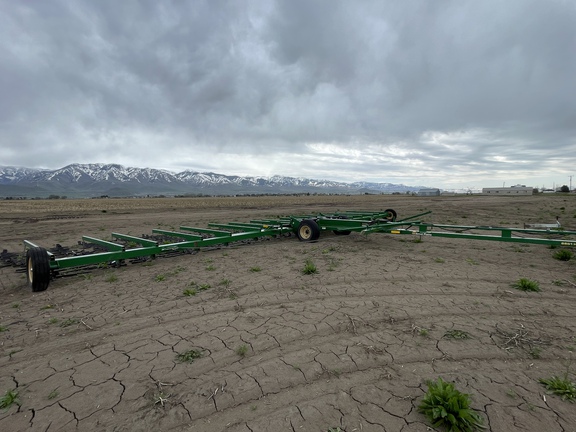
{"x": 439, "y": 93}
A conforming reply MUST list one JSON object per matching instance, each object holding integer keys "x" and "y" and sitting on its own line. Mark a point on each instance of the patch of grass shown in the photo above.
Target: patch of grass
{"x": 111, "y": 278}
{"x": 440, "y": 260}
{"x": 210, "y": 268}
{"x": 53, "y": 394}
{"x": 309, "y": 267}
{"x": 471, "y": 261}
{"x": 535, "y": 352}
{"x": 562, "y": 387}
{"x": 68, "y": 322}
{"x": 563, "y": 255}
{"x": 52, "y": 320}
{"x": 525, "y": 284}
{"x": 333, "y": 264}
{"x": 160, "y": 277}
{"x": 447, "y": 407}
{"x": 3, "y": 328}
{"x": 511, "y": 393}
{"x": 225, "y": 282}
{"x": 242, "y": 350}
{"x": 189, "y": 356}
{"x": 255, "y": 269}
{"x": 10, "y": 398}
{"x": 15, "y": 305}
{"x": 456, "y": 334}
{"x": 203, "y": 287}
{"x": 189, "y": 292}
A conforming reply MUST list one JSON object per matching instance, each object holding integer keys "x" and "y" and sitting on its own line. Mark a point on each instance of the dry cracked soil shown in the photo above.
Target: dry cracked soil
{"x": 237, "y": 338}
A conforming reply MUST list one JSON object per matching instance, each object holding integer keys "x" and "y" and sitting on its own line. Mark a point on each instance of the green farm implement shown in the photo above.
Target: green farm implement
{"x": 42, "y": 265}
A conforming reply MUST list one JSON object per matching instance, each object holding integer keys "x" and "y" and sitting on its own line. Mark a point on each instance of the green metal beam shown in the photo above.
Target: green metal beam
{"x": 218, "y": 233}
{"x": 188, "y": 237}
{"x": 108, "y": 245}
{"x": 137, "y": 240}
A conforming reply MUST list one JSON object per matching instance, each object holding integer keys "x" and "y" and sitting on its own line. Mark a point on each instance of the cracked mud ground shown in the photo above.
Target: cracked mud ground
{"x": 349, "y": 347}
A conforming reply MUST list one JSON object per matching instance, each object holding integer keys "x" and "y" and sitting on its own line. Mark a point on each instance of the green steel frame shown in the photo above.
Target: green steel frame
{"x": 41, "y": 263}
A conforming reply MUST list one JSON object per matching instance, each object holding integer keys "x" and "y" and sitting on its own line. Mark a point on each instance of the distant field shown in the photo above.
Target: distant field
{"x": 123, "y": 204}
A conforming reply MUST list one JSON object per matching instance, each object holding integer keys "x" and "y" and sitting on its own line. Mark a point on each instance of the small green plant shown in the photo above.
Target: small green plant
{"x": 10, "y": 398}
{"x": 335, "y": 429}
{"x": 558, "y": 282}
{"x": 68, "y": 322}
{"x": 225, "y": 282}
{"x": 3, "y": 328}
{"x": 242, "y": 350}
{"x": 535, "y": 352}
{"x": 449, "y": 408}
{"x": 440, "y": 260}
{"x": 309, "y": 267}
{"x": 255, "y": 269}
{"x": 15, "y": 305}
{"x": 423, "y": 332}
{"x": 456, "y": 334}
{"x": 111, "y": 278}
{"x": 471, "y": 261}
{"x": 160, "y": 278}
{"x": 210, "y": 268}
{"x": 189, "y": 292}
{"x": 53, "y": 394}
{"x": 203, "y": 287}
{"x": 563, "y": 255}
{"x": 48, "y": 306}
{"x": 53, "y": 320}
{"x": 562, "y": 387}
{"x": 189, "y": 356}
{"x": 511, "y": 393}
{"x": 525, "y": 284}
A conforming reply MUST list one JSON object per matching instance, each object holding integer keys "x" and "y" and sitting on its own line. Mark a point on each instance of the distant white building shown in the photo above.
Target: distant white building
{"x": 429, "y": 192}
{"x": 512, "y": 190}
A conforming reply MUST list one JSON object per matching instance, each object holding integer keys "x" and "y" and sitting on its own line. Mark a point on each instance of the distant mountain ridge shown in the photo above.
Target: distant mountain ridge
{"x": 91, "y": 180}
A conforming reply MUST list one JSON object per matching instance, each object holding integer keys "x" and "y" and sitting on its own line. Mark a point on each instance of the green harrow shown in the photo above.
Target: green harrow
{"x": 42, "y": 265}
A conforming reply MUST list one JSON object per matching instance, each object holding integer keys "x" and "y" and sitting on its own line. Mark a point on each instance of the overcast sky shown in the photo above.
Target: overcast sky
{"x": 449, "y": 94}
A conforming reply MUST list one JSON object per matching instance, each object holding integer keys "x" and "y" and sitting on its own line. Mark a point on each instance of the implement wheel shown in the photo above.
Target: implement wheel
{"x": 342, "y": 232}
{"x": 308, "y": 230}
{"x": 37, "y": 269}
{"x": 392, "y": 213}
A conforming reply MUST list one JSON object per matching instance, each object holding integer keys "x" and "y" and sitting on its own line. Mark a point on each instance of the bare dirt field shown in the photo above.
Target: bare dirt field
{"x": 349, "y": 348}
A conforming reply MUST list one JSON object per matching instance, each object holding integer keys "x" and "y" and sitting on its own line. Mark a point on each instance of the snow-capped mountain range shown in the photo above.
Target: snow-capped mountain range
{"x": 89, "y": 180}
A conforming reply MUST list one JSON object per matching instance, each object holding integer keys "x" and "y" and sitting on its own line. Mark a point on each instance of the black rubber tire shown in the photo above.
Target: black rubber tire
{"x": 308, "y": 230}
{"x": 37, "y": 269}
{"x": 342, "y": 232}
{"x": 393, "y": 213}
